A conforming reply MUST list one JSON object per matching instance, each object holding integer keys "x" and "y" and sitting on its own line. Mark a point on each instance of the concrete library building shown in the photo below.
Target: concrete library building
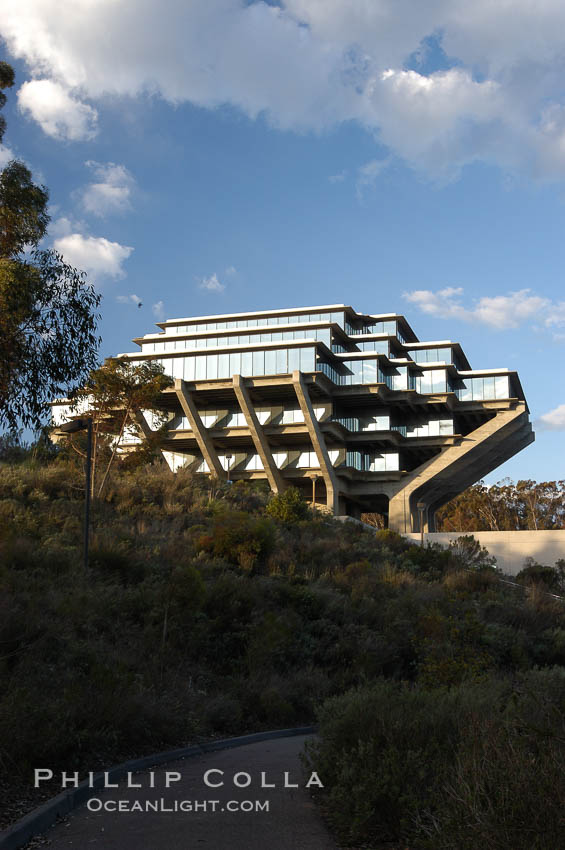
{"x": 351, "y": 408}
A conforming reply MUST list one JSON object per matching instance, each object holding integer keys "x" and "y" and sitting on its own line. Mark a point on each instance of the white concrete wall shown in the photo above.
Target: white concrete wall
{"x": 510, "y": 548}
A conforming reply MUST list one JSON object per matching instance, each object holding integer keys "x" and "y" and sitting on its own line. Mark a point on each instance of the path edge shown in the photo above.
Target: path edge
{"x": 44, "y": 816}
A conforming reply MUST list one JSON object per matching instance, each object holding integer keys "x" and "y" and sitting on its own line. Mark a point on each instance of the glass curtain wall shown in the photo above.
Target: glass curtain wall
{"x": 257, "y": 322}
{"x": 207, "y": 367}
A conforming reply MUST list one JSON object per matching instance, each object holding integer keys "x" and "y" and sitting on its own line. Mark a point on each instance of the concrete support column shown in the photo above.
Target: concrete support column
{"x": 457, "y": 467}
{"x": 260, "y": 441}
{"x": 318, "y": 441}
{"x": 203, "y": 439}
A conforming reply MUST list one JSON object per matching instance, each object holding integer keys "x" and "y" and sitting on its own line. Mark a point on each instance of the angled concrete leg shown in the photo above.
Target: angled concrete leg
{"x": 260, "y": 441}
{"x": 203, "y": 439}
{"x": 318, "y": 442}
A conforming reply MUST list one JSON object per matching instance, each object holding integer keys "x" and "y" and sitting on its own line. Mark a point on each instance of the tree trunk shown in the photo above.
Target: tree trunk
{"x": 114, "y": 450}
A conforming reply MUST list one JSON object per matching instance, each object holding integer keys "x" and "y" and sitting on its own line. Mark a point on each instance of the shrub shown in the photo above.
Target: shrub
{"x": 550, "y": 578}
{"x": 288, "y": 507}
{"x": 468, "y": 553}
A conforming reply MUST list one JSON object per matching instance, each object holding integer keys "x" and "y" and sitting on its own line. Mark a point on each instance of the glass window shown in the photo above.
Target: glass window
{"x": 189, "y": 365}
{"x": 224, "y": 366}
{"x": 307, "y": 360}
{"x": 369, "y": 371}
{"x": 212, "y": 367}
{"x": 488, "y": 388}
{"x": 200, "y": 367}
{"x": 293, "y": 359}
{"x": 258, "y": 362}
{"x": 270, "y": 362}
{"x": 501, "y": 386}
{"x": 236, "y": 364}
{"x": 425, "y": 382}
{"x": 281, "y": 361}
{"x": 439, "y": 381}
{"x": 177, "y": 367}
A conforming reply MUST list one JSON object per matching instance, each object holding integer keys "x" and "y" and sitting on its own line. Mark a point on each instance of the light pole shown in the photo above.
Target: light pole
{"x": 314, "y": 478}
{"x": 421, "y": 508}
{"x": 229, "y": 460}
{"x": 84, "y": 424}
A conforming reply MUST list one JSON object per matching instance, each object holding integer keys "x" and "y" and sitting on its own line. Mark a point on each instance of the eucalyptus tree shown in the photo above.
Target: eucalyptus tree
{"x": 48, "y": 318}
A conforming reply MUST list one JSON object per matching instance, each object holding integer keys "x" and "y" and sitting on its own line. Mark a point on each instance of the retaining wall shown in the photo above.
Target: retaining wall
{"x": 510, "y": 548}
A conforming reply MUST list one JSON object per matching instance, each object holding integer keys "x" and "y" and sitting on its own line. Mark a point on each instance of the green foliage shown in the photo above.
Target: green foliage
{"x": 505, "y": 507}
{"x": 116, "y": 395}
{"x": 469, "y": 554}
{"x": 48, "y": 317}
{"x": 6, "y": 82}
{"x": 481, "y": 765}
{"x": 201, "y": 616}
{"x": 550, "y": 578}
{"x": 288, "y": 507}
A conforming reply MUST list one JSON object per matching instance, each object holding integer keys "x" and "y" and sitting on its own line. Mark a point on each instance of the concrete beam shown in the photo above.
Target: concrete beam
{"x": 205, "y": 443}
{"x": 456, "y": 467}
{"x": 143, "y": 424}
{"x": 318, "y": 441}
{"x": 260, "y": 441}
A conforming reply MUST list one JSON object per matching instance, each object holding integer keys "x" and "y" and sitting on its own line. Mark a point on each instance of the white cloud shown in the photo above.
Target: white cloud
{"x": 230, "y": 271}
{"x": 56, "y": 111}
{"x": 556, "y": 316}
{"x": 6, "y": 154}
{"x": 110, "y": 191}
{"x": 60, "y": 227}
{"x": 367, "y": 175}
{"x": 554, "y": 420}
{"x": 500, "y": 312}
{"x": 312, "y": 64}
{"x": 212, "y": 284}
{"x": 129, "y": 299}
{"x": 159, "y": 311}
{"x": 338, "y": 178}
{"x": 94, "y": 254}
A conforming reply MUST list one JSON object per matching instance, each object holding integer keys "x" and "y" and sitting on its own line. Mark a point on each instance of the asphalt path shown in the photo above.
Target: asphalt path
{"x": 214, "y": 817}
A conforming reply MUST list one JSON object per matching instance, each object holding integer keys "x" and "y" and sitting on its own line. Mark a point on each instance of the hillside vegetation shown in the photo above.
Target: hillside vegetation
{"x": 211, "y": 610}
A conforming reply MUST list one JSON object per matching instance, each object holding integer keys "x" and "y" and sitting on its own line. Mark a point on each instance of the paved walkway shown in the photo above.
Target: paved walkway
{"x": 291, "y": 822}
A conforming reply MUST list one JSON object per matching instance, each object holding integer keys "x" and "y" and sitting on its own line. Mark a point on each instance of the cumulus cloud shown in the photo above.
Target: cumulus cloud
{"x": 495, "y": 93}
{"x": 129, "y": 299}
{"x": 212, "y": 284}
{"x": 556, "y": 317}
{"x": 367, "y": 175}
{"x": 501, "y": 312}
{"x": 6, "y": 154}
{"x": 159, "y": 311}
{"x": 94, "y": 254}
{"x": 110, "y": 191}
{"x": 554, "y": 420}
{"x": 56, "y": 111}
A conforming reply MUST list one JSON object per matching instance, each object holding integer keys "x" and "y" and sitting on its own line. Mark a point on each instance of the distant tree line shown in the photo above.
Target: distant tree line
{"x": 505, "y": 506}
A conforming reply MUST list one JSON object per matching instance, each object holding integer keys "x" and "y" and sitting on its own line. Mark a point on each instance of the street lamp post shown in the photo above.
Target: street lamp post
{"x": 84, "y": 424}
{"x": 421, "y": 508}
{"x": 314, "y": 479}
{"x": 229, "y": 460}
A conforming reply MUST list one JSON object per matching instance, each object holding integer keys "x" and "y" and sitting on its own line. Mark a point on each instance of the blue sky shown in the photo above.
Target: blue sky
{"x": 218, "y": 156}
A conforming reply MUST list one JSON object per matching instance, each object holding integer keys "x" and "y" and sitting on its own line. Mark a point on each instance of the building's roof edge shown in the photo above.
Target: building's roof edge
{"x": 280, "y": 311}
